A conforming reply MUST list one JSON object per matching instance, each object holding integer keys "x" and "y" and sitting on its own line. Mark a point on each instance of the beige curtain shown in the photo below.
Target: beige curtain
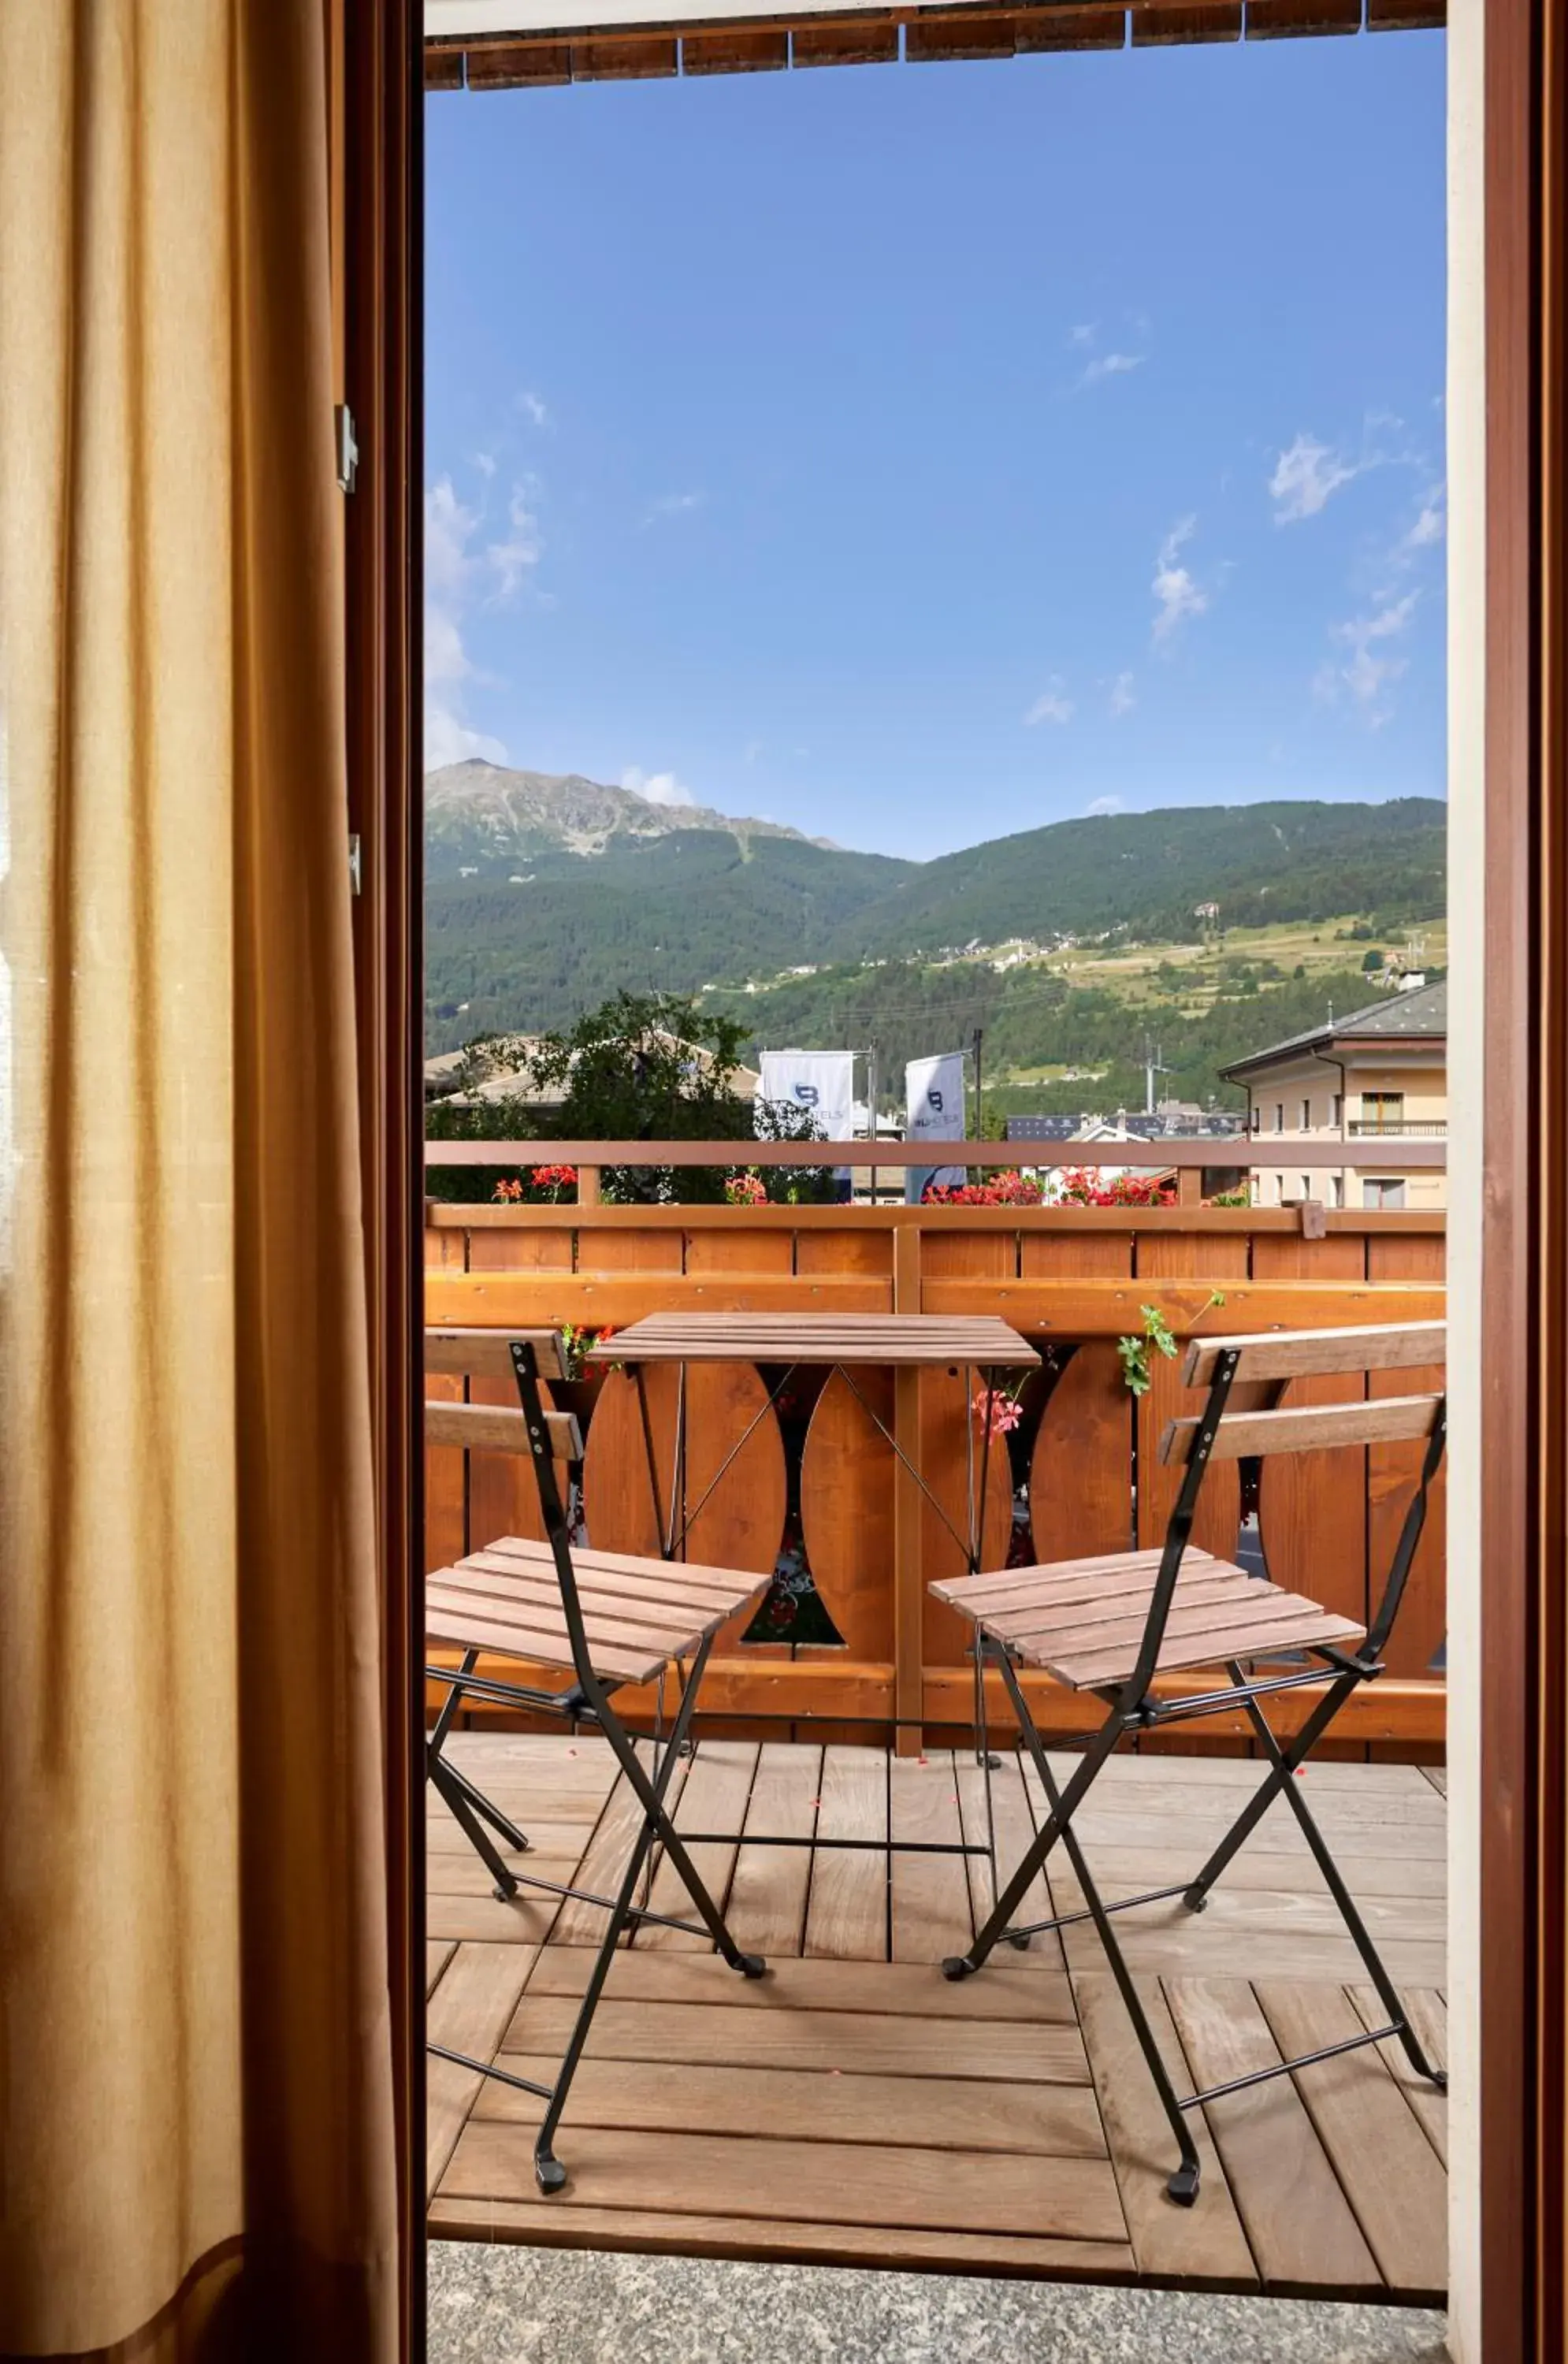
{"x": 196, "y": 2108}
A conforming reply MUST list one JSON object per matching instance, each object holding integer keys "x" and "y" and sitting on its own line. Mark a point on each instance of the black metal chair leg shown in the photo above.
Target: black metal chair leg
{"x": 656, "y": 1824}
{"x": 1280, "y": 1774}
{"x": 548, "y": 2170}
{"x": 479, "y": 1839}
{"x": 453, "y": 1701}
{"x": 1005, "y": 1910}
{"x": 435, "y": 1747}
{"x": 751, "y": 1966}
{"x": 1183, "y": 2185}
{"x": 488, "y": 1809}
{"x": 1387, "y": 1993}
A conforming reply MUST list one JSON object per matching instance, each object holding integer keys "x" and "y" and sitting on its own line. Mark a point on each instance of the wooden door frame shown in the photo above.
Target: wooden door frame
{"x": 1524, "y": 1464}
{"x": 380, "y": 43}
{"x": 1524, "y": 1245}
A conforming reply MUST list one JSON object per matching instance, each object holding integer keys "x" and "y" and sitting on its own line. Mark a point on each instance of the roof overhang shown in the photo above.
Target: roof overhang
{"x": 1333, "y": 1046}
{"x": 507, "y": 44}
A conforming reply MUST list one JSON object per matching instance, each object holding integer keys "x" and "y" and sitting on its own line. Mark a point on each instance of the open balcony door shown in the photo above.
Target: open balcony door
{"x": 378, "y": 202}
{"x": 1509, "y": 1220}
{"x": 1509, "y": 1223}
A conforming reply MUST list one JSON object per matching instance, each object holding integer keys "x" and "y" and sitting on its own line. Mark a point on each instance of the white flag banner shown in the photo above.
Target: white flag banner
{"x": 934, "y": 1099}
{"x": 821, "y": 1082}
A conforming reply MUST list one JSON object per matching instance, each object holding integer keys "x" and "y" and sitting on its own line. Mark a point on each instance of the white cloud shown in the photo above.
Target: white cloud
{"x": 509, "y": 561}
{"x": 1052, "y": 705}
{"x": 1102, "y": 807}
{"x": 1306, "y": 476}
{"x": 1365, "y": 672}
{"x": 533, "y": 407}
{"x": 448, "y": 741}
{"x": 1430, "y": 525}
{"x": 669, "y": 505}
{"x": 1176, "y": 594}
{"x": 486, "y": 463}
{"x": 463, "y": 570}
{"x": 1122, "y": 700}
{"x": 1111, "y": 365}
{"x": 1081, "y": 335}
{"x": 656, "y": 787}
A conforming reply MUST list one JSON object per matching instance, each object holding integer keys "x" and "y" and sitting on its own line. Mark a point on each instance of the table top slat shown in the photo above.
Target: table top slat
{"x": 831, "y": 1338}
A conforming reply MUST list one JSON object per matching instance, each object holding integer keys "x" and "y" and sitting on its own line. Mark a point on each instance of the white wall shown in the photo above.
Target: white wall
{"x": 1466, "y": 695}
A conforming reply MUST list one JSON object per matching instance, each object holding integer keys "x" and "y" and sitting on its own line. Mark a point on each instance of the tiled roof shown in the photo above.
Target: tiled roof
{"x": 1419, "y": 1016}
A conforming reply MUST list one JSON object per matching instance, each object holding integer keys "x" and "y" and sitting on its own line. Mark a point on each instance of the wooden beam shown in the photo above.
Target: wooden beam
{"x": 459, "y": 1215}
{"x": 522, "y": 1300}
{"x": 727, "y": 41}
{"x": 908, "y": 1591}
{"x": 1065, "y": 1309}
{"x": 1110, "y": 1309}
{"x": 1214, "y": 1149}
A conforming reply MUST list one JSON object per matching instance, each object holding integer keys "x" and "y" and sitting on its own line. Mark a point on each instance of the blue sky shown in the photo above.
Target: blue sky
{"x": 919, "y": 453}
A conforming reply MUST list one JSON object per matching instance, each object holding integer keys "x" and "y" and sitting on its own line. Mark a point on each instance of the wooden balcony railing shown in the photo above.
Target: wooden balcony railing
{"x": 818, "y": 1483}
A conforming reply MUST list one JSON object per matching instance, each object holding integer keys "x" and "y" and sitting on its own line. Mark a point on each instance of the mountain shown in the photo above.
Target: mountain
{"x": 1149, "y": 871}
{"x": 546, "y": 895}
{"x": 481, "y": 818}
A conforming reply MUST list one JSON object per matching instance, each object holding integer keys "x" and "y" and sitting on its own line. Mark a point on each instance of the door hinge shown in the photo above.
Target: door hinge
{"x": 348, "y": 445}
{"x": 356, "y": 867}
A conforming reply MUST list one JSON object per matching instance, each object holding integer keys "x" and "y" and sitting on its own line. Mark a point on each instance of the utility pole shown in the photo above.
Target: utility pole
{"x": 1153, "y": 1066}
{"x": 871, "y": 1100}
{"x": 979, "y": 1094}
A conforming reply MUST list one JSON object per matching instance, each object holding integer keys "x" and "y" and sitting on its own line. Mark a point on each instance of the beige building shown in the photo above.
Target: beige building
{"x": 1379, "y": 1074}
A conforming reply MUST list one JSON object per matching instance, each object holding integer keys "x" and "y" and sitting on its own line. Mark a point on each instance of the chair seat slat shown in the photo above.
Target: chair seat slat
{"x": 648, "y": 1647}
{"x": 1233, "y": 1590}
{"x": 695, "y": 1576}
{"x": 1069, "y": 1579}
{"x": 1092, "y": 1672}
{"x": 647, "y": 1604}
{"x": 459, "y": 1622}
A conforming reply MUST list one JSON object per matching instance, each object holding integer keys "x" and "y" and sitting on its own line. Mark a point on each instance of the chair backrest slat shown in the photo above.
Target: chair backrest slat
{"x": 498, "y": 1428}
{"x": 487, "y": 1354}
{"x": 1307, "y": 1354}
{"x": 1306, "y": 1428}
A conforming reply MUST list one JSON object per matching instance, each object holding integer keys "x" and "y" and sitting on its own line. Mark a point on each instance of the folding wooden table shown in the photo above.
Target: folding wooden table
{"x": 904, "y": 1343}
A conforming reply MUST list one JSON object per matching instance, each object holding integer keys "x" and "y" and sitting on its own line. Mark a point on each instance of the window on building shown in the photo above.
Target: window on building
{"x": 1383, "y": 1111}
{"x": 1385, "y": 1192}
{"x": 1336, "y": 1189}
{"x": 1279, "y": 1116}
{"x": 1337, "y": 1105}
{"x": 1255, "y": 1119}
{"x": 1306, "y": 1186}
{"x": 1306, "y": 1116}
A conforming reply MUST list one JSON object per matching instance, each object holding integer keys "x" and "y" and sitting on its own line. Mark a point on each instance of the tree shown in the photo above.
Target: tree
{"x": 644, "y": 1066}
{"x": 1371, "y": 962}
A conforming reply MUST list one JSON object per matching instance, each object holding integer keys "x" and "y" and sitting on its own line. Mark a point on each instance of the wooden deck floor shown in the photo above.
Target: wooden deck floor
{"x": 854, "y": 2106}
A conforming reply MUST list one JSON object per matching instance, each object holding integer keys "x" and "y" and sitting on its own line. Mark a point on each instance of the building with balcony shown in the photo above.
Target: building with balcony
{"x": 1380, "y": 1074}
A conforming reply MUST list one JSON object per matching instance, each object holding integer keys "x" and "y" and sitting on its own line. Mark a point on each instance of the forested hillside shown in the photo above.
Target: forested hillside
{"x": 580, "y": 891}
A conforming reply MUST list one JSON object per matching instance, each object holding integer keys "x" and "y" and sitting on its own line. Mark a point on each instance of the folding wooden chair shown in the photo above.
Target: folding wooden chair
{"x": 1110, "y": 1626}
{"x": 606, "y": 1619}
